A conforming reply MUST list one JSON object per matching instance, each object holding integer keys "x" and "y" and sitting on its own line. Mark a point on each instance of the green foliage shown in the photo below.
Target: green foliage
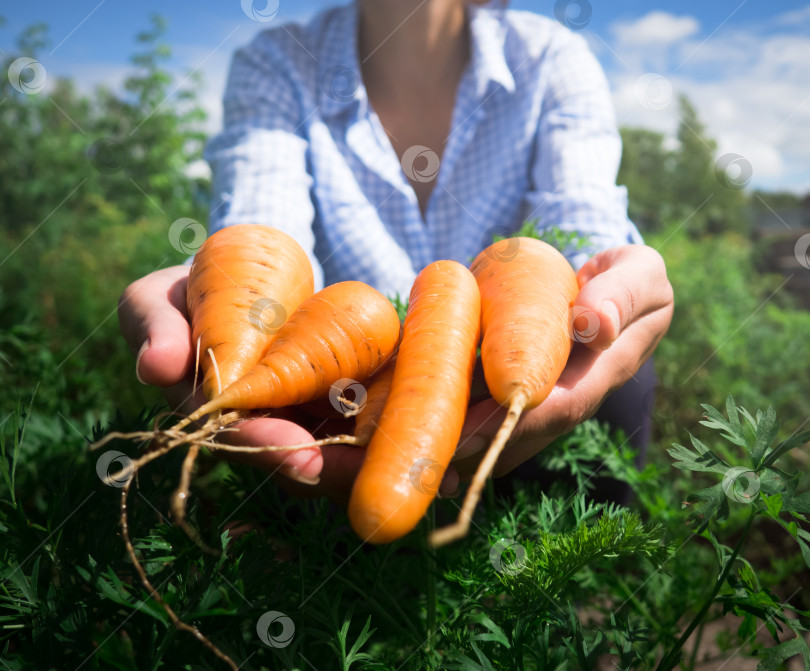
{"x": 685, "y": 184}
{"x": 89, "y": 186}
{"x": 734, "y": 331}
{"x": 546, "y": 580}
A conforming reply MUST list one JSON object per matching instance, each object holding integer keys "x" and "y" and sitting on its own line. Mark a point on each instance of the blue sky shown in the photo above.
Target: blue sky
{"x": 745, "y": 63}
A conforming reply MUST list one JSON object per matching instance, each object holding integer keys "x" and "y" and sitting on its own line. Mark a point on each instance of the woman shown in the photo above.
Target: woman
{"x": 391, "y": 133}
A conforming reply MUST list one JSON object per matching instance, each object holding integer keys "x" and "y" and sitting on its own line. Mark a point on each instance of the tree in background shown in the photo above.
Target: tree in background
{"x": 688, "y": 184}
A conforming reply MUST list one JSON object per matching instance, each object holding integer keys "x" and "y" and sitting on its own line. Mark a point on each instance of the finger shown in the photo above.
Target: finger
{"x": 482, "y": 423}
{"x": 303, "y": 465}
{"x": 448, "y": 489}
{"x": 341, "y": 464}
{"x": 617, "y": 287}
{"x": 154, "y": 321}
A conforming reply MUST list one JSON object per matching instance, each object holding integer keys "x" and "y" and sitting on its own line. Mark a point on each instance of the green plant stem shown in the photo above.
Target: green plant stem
{"x": 671, "y": 658}
{"x": 640, "y": 607}
{"x": 698, "y": 638}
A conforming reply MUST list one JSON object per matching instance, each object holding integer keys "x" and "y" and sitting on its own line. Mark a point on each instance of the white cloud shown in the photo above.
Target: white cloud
{"x": 655, "y": 28}
{"x": 749, "y": 85}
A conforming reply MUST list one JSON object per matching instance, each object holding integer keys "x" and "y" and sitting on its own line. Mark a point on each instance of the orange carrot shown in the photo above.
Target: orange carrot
{"x": 422, "y": 419}
{"x": 527, "y": 289}
{"x": 377, "y": 392}
{"x": 348, "y": 329}
{"x": 244, "y": 283}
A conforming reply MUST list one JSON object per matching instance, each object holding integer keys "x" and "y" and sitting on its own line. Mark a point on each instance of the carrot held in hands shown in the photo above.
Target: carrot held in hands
{"x": 245, "y": 281}
{"x": 425, "y": 410}
{"x": 526, "y": 298}
{"x": 379, "y": 388}
{"x": 346, "y": 330}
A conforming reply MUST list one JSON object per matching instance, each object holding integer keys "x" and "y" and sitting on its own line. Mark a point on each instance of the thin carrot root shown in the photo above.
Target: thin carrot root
{"x": 176, "y": 621}
{"x": 341, "y": 439}
{"x": 461, "y": 526}
{"x": 353, "y": 408}
{"x": 179, "y": 501}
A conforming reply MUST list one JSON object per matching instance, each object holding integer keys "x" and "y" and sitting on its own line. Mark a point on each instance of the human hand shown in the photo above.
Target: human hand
{"x": 154, "y": 321}
{"x": 623, "y": 309}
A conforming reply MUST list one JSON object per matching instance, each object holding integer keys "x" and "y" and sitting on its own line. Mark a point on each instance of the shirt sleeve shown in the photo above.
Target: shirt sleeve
{"x": 576, "y": 155}
{"x": 259, "y": 160}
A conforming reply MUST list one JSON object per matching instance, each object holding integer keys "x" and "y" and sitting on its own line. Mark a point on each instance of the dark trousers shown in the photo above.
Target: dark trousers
{"x": 628, "y": 408}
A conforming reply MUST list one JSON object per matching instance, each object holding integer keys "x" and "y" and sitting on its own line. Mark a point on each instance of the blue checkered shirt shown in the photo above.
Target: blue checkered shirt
{"x": 533, "y": 136}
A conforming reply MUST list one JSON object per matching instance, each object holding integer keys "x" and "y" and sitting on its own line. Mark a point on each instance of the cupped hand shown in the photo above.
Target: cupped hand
{"x": 623, "y": 309}
{"x": 154, "y": 321}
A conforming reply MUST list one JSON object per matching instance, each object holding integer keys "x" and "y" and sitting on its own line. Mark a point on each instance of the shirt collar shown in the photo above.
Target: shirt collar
{"x": 487, "y": 59}
{"x": 341, "y": 80}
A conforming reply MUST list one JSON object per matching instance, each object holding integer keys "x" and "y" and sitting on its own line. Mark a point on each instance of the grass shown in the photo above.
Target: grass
{"x": 546, "y": 579}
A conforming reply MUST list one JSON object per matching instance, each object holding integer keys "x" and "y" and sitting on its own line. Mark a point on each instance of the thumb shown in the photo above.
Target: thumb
{"x": 153, "y": 320}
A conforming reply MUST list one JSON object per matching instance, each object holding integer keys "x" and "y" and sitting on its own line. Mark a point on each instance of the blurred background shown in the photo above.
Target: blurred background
{"x": 105, "y": 107}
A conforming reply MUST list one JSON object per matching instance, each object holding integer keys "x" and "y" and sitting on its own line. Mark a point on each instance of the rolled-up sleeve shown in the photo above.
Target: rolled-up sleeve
{"x": 576, "y": 154}
{"x": 259, "y": 160}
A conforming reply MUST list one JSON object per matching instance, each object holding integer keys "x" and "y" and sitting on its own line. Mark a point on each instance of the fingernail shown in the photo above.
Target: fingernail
{"x": 294, "y": 473}
{"x": 472, "y": 445}
{"x": 143, "y": 349}
{"x": 609, "y": 310}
